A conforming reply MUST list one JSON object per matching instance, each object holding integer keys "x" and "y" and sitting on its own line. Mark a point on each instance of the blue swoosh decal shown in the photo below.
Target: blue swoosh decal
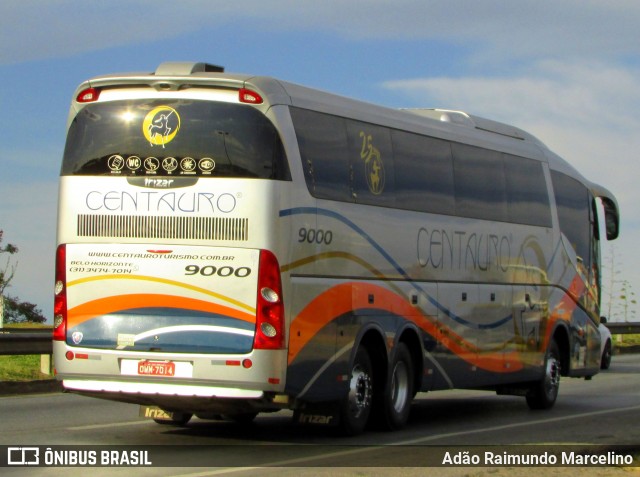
{"x": 398, "y": 268}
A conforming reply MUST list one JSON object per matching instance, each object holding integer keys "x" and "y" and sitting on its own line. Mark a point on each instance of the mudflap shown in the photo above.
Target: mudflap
{"x": 318, "y": 414}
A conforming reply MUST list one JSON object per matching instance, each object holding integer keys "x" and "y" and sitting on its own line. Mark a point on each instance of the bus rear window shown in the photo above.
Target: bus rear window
{"x": 173, "y": 138}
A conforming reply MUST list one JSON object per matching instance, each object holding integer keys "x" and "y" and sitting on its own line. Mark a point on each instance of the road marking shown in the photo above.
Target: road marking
{"x": 514, "y": 425}
{"x": 106, "y": 426}
{"x": 365, "y": 448}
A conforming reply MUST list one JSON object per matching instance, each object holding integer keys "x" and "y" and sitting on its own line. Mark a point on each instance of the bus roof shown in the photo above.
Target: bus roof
{"x": 446, "y": 124}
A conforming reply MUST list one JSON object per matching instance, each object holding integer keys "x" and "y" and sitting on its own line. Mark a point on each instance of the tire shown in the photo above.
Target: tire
{"x": 241, "y": 417}
{"x": 399, "y": 391}
{"x": 543, "y": 394}
{"x": 355, "y": 408}
{"x": 605, "y": 362}
{"x": 178, "y": 419}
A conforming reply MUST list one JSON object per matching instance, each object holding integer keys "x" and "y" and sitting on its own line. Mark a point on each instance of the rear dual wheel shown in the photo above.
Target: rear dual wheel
{"x": 399, "y": 391}
{"x": 392, "y": 401}
{"x": 356, "y": 407}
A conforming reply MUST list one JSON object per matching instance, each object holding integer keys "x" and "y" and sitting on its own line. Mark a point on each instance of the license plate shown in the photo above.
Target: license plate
{"x": 156, "y": 368}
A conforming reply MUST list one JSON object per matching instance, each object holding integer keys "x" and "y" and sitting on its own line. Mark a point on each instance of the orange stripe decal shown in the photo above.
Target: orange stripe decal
{"x": 347, "y": 297}
{"x": 114, "y": 304}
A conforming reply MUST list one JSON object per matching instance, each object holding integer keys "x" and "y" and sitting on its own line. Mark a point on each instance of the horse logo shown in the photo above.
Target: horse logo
{"x": 161, "y": 125}
{"x": 374, "y": 167}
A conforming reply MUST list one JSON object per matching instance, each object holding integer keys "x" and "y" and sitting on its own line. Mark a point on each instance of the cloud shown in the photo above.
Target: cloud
{"x": 491, "y": 29}
{"x": 583, "y": 111}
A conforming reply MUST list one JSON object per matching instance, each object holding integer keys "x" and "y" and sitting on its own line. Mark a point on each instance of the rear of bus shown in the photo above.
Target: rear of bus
{"x": 168, "y": 288}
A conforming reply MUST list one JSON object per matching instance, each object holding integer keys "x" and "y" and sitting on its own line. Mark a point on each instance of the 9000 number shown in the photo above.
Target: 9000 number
{"x": 211, "y": 270}
{"x": 318, "y": 236}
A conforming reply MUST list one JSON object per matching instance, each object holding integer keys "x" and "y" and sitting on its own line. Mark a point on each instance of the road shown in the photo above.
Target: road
{"x": 604, "y": 411}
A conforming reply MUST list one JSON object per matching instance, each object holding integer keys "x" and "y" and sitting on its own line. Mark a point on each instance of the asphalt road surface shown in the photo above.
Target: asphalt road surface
{"x": 603, "y": 412}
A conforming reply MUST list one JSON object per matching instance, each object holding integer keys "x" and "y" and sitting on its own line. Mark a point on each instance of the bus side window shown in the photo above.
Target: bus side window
{"x": 423, "y": 173}
{"x": 572, "y": 202}
{"x": 322, "y": 140}
{"x": 479, "y": 183}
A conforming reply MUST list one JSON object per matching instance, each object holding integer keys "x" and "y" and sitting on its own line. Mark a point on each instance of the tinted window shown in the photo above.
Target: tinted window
{"x": 479, "y": 183}
{"x": 572, "y": 202}
{"x": 528, "y": 200}
{"x": 423, "y": 173}
{"x": 323, "y": 144}
{"x": 174, "y": 137}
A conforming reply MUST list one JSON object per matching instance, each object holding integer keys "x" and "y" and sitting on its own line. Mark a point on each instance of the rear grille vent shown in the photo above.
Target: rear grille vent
{"x": 163, "y": 227}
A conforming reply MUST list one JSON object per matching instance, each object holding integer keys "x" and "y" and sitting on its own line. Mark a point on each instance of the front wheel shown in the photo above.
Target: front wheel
{"x": 356, "y": 406}
{"x": 543, "y": 394}
{"x": 605, "y": 362}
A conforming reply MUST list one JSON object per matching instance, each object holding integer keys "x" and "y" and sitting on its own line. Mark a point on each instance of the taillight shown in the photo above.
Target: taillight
{"x": 270, "y": 309}
{"x": 60, "y": 296}
{"x": 250, "y": 97}
{"x": 88, "y": 95}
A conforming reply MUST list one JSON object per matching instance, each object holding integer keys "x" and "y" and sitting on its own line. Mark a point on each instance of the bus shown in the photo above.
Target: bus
{"x": 229, "y": 245}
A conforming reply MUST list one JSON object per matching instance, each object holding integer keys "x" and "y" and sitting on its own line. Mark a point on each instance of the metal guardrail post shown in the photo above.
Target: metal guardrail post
{"x": 624, "y": 328}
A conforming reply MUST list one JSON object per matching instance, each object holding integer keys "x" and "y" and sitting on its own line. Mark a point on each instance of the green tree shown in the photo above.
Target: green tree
{"x": 12, "y": 309}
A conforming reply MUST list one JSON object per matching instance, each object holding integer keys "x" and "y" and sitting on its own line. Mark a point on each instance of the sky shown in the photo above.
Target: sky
{"x": 567, "y": 71}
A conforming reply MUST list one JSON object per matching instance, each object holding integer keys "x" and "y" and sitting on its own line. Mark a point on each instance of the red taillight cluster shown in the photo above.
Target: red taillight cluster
{"x": 270, "y": 309}
{"x": 60, "y": 297}
{"x": 249, "y": 97}
{"x": 88, "y": 95}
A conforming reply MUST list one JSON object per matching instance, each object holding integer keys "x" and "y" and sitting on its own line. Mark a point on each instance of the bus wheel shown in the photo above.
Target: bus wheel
{"x": 177, "y": 419}
{"x": 356, "y": 407}
{"x": 543, "y": 394}
{"x": 399, "y": 390}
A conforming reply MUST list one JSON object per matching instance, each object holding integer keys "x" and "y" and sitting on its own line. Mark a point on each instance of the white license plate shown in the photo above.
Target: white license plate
{"x": 134, "y": 367}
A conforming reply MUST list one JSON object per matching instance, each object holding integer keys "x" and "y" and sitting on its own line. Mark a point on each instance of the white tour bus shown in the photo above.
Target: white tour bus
{"x": 232, "y": 244}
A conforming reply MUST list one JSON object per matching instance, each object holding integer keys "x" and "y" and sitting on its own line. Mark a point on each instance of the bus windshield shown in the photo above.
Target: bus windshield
{"x": 175, "y": 137}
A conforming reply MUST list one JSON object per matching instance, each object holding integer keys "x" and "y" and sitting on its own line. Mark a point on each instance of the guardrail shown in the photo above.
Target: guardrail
{"x": 38, "y": 340}
{"x": 627, "y": 328}
{"x": 26, "y": 341}
{"x": 22, "y": 341}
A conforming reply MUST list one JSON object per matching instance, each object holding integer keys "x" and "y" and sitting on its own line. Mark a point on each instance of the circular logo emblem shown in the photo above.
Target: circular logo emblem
{"x": 151, "y": 164}
{"x": 206, "y": 164}
{"x": 134, "y": 163}
{"x": 161, "y": 125}
{"x": 188, "y": 164}
{"x": 115, "y": 162}
{"x": 170, "y": 164}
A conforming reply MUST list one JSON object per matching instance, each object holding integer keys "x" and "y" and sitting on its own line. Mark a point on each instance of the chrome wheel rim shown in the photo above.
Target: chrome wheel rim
{"x": 360, "y": 391}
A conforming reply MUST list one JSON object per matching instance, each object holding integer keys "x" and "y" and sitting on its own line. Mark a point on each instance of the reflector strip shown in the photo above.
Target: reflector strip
{"x": 157, "y": 388}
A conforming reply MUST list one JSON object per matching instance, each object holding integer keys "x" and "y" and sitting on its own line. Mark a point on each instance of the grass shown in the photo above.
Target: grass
{"x": 10, "y": 326}
{"x": 21, "y": 368}
{"x": 622, "y": 341}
